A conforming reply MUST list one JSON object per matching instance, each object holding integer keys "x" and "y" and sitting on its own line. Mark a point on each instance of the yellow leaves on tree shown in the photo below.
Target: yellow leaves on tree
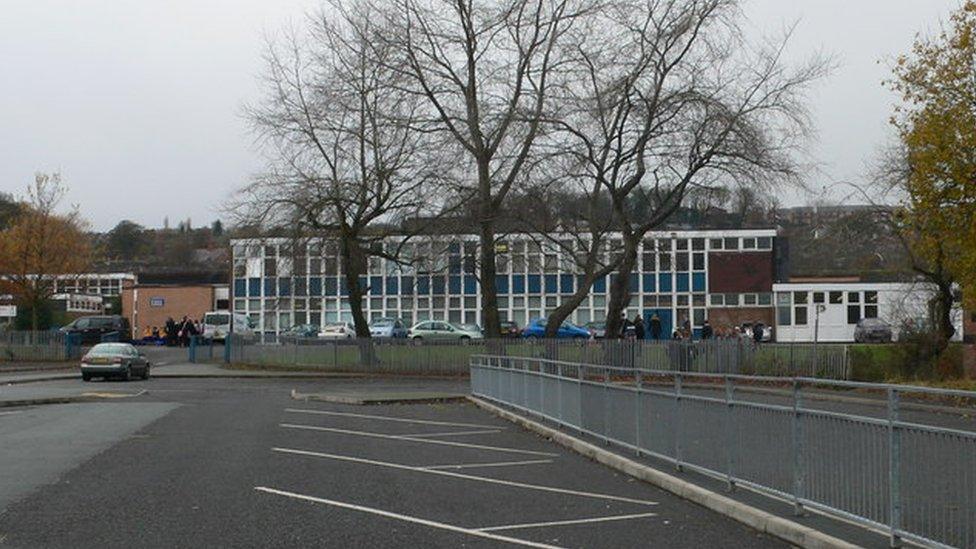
{"x": 41, "y": 243}
{"x": 937, "y": 129}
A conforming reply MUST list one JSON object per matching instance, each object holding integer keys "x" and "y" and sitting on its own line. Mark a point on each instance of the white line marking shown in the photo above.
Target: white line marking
{"x": 388, "y": 418}
{"x": 565, "y": 522}
{"x": 405, "y": 518}
{"x": 10, "y": 413}
{"x": 495, "y": 464}
{"x": 468, "y": 477}
{"x": 412, "y": 439}
{"x": 450, "y": 434}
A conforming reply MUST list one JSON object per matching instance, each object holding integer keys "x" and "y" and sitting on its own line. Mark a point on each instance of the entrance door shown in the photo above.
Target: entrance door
{"x": 667, "y": 324}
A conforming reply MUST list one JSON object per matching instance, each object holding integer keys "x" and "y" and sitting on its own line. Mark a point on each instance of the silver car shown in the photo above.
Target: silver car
{"x": 872, "y": 330}
{"x": 120, "y": 360}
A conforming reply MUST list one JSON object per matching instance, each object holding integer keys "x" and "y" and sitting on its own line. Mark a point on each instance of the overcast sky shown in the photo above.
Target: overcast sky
{"x": 138, "y": 102}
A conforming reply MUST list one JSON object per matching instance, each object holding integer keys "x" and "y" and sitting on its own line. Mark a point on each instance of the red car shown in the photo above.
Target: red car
{"x": 510, "y": 329}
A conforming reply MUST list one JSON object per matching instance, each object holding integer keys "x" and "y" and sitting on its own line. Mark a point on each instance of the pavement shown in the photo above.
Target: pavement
{"x": 239, "y": 462}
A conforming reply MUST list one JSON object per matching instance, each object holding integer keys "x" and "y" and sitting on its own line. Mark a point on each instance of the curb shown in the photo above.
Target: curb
{"x": 366, "y": 401}
{"x": 64, "y": 399}
{"x": 53, "y": 377}
{"x": 784, "y": 529}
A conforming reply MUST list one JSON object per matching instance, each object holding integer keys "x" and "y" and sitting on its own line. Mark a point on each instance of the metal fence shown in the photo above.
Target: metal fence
{"x": 452, "y": 357}
{"x": 882, "y": 459}
{"x": 31, "y": 346}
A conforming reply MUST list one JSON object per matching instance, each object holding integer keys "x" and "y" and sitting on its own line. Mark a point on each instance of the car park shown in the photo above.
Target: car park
{"x": 442, "y": 330}
{"x": 872, "y": 330}
{"x": 388, "y": 328}
{"x": 537, "y": 329}
{"x": 338, "y": 330}
{"x": 120, "y": 360}
{"x": 300, "y": 331}
{"x": 95, "y": 329}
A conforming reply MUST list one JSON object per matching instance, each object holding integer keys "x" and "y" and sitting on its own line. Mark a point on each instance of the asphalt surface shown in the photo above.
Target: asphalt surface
{"x": 228, "y": 462}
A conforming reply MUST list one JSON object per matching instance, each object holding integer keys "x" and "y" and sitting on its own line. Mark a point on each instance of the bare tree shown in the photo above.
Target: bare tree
{"x": 348, "y": 160}
{"x": 668, "y": 97}
{"x": 485, "y": 69}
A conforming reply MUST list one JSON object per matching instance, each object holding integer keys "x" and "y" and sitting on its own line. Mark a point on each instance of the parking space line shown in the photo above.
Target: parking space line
{"x": 414, "y": 439}
{"x": 464, "y": 476}
{"x": 496, "y": 464}
{"x": 388, "y": 418}
{"x": 451, "y": 434}
{"x": 406, "y": 518}
{"x": 565, "y": 522}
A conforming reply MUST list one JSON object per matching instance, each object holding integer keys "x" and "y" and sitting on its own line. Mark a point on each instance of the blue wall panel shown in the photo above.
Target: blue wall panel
{"x": 664, "y": 283}
{"x": 315, "y": 286}
{"x": 649, "y": 286}
{"x": 270, "y": 285}
{"x": 407, "y": 285}
{"x": 566, "y": 285}
{"x": 471, "y": 285}
{"x": 501, "y": 284}
{"x": 240, "y": 287}
{"x": 552, "y": 284}
{"x": 392, "y": 285}
{"x": 681, "y": 282}
{"x": 518, "y": 284}
{"x": 454, "y": 285}
{"x": 376, "y": 285}
{"x": 698, "y": 282}
{"x": 535, "y": 284}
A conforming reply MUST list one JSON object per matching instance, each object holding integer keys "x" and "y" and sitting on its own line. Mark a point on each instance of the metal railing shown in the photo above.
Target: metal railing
{"x": 431, "y": 356}
{"x": 36, "y": 346}
{"x": 878, "y": 455}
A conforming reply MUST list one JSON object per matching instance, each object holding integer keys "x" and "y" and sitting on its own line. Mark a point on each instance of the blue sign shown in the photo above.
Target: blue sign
{"x": 156, "y": 302}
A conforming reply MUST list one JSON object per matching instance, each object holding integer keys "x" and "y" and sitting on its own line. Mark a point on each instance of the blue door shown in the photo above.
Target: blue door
{"x": 664, "y": 315}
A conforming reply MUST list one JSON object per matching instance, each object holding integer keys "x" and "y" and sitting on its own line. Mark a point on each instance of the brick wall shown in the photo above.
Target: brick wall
{"x": 740, "y": 272}
{"x": 731, "y": 317}
{"x": 176, "y": 301}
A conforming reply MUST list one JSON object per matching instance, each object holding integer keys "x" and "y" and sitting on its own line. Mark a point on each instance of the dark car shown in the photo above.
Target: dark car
{"x": 510, "y": 329}
{"x": 872, "y": 330}
{"x": 120, "y": 360}
{"x": 95, "y": 329}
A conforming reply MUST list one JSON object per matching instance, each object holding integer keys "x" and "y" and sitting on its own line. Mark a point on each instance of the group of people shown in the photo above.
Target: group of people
{"x": 174, "y": 333}
{"x": 635, "y": 329}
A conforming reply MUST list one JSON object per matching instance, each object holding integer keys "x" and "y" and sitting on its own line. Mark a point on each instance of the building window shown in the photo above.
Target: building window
{"x": 764, "y": 243}
{"x": 870, "y": 311}
{"x": 800, "y": 298}
{"x": 749, "y": 299}
{"x": 748, "y": 243}
{"x": 853, "y": 314}
{"x": 853, "y": 297}
{"x": 818, "y": 297}
{"x": 731, "y": 243}
{"x": 783, "y": 316}
{"x": 681, "y": 244}
{"x": 731, "y": 300}
{"x": 698, "y": 244}
{"x": 715, "y": 243}
{"x": 800, "y": 316}
{"x": 836, "y": 298}
{"x": 717, "y": 300}
{"x": 870, "y": 298}
{"x": 698, "y": 261}
{"x": 765, "y": 299}
{"x": 682, "y": 262}
{"x": 665, "y": 261}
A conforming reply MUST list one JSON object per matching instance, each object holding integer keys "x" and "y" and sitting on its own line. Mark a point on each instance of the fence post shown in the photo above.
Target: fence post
{"x": 559, "y": 392}
{"x": 607, "y": 409}
{"x": 894, "y": 468}
{"x": 193, "y": 350}
{"x": 798, "y": 456}
{"x": 731, "y": 438}
{"x": 639, "y": 382}
{"x": 677, "y": 421}
{"x": 579, "y": 401}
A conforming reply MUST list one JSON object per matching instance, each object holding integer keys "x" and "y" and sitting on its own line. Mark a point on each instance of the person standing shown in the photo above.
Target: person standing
{"x": 639, "y": 331}
{"x": 757, "y": 332}
{"x": 655, "y": 327}
{"x": 706, "y": 332}
{"x": 170, "y": 330}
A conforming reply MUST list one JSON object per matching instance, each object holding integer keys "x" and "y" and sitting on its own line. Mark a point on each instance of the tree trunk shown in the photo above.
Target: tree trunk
{"x": 570, "y": 304}
{"x": 944, "y": 330}
{"x": 620, "y": 289}
{"x": 489, "y": 291}
{"x": 353, "y": 266}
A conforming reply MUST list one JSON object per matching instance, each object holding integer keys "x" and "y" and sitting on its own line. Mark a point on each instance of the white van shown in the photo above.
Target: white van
{"x": 217, "y": 324}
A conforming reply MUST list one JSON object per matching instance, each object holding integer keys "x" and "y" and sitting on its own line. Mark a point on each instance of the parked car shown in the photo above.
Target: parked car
{"x": 388, "y": 327}
{"x": 510, "y": 329}
{"x": 872, "y": 330}
{"x": 92, "y": 329}
{"x": 218, "y": 324}
{"x": 537, "y": 329}
{"x": 597, "y": 329}
{"x": 469, "y": 327}
{"x": 114, "y": 360}
{"x": 301, "y": 331}
{"x": 439, "y": 329}
{"x": 338, "y": 330}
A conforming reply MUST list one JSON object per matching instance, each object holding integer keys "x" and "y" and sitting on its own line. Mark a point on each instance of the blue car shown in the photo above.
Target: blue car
{"x": 537, "y": 329}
